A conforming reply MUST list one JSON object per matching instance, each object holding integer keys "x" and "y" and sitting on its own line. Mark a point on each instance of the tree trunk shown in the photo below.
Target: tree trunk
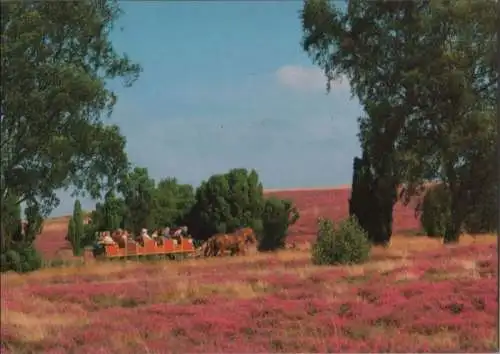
{"x": 454, "y": 224}
{"x": 452, "y": 233}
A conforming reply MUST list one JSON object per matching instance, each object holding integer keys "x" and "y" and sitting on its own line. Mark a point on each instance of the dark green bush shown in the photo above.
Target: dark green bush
{"x": 347, "y": 243}
{"x": 372, "y": 200}
{"x": 277, "y": 217}
{"x": 435, "y": 211}
{"x": 225, "y": 203}
{"x": 483, "y": 217}
{"x": 20, "y": 259}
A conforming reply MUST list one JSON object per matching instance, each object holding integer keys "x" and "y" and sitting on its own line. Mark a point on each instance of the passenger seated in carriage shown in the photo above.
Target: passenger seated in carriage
{"x": 120, "y": 237}
{"x": 143, "y": 237}
{"x": 105, "y": 239}
{"x": 157, "y": 237}
{"x": 102, "y": 239}
{"x": 180, "y": 232}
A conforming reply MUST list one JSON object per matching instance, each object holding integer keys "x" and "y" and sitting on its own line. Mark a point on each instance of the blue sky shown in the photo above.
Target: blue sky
{"x": 226, "y": 84}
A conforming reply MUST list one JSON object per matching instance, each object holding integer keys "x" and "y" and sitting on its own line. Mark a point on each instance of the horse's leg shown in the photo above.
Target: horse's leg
{"x": 241, "y": 248}
{"x": 210, "y": 250}
{"x": 221, "y": 250}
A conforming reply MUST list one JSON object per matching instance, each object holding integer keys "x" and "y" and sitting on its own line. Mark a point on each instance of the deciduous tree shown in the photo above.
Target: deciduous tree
{"x": 56, "y": 61}
{"x": 173, "y": 201}
{"x": 227, "y": 202}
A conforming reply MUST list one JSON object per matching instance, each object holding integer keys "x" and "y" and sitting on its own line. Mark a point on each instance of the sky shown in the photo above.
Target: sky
{"x": 226, "y": 85}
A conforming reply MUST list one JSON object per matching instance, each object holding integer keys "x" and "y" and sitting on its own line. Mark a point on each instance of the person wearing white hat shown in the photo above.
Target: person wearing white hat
{"x": 144, "y": 234}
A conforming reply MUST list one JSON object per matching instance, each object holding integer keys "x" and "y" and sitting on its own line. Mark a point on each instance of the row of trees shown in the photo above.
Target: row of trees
{"x": 425, "y": 73}
{"x": 223, "y": 203}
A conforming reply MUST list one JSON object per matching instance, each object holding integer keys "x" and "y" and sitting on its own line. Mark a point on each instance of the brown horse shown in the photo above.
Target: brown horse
{"x": 235, "y": 243}
{"x": 246, "y": 235}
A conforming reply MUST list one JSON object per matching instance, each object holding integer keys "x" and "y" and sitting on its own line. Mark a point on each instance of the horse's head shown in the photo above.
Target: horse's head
{"x": 248, "y": 235}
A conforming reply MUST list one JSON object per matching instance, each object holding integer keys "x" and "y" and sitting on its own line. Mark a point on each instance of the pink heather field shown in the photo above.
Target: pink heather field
{"x": 416, "y": 296}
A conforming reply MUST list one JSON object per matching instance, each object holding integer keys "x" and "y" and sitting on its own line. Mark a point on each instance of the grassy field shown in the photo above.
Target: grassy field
{"x": 418, "y": 295}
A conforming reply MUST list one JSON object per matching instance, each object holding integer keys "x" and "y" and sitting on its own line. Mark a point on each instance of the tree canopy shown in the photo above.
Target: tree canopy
{"x": 57, "y": 59}
{"x": 226, "y": 202}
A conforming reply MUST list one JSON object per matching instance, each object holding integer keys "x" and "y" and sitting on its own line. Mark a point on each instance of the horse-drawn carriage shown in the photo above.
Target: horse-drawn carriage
{"x": 119, "y": 244}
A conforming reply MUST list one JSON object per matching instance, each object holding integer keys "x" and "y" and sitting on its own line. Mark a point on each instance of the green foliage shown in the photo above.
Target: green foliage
{"x": 484, "y": 215}
{"x": 113, "y": 211}
{"x": 78, "y": 220}
{"x": 173, "y": 201}
{"x": 235, "y": 199}
{"x": 144, "y": 205}
{"x": 11, "y": 227}
{"x": 345, "y": 244}
{"x": 17, "y": 252}
{"x": 277, "y": 217}
{"x": 71, "y": 236}
{"x": 371, "y": 202}
{"x": 138, "y": 190}
{"x": 107, "y": 216}
{"x": 435, "y": 214}
{"x": 227, "y": 202}
{"x": 20, "y": 258}
{"x": 435, "y": 211}
{"x": 89, "y": 235}
{"x": 76, "y": 231}
{"x": 53, "y": 97}
{"x": 34, "y": 222}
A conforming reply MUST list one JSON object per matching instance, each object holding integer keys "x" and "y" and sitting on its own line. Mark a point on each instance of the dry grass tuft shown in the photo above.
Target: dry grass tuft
{"x": 33, "y": 328}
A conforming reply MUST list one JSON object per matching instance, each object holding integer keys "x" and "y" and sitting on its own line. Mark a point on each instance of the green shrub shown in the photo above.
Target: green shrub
{"x": 347, "y": 243}
{"x": 277, "y": 217}
{"x": 17, "y": 251}
{"x": 435, "y": 211}
{"x": 20, "y": 259}
{"x": 483, "y": 217}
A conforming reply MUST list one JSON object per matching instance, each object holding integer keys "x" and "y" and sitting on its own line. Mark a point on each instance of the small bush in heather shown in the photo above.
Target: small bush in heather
{"x": 277, "y": 217}
{"x": 21, "y": 259}
{"x": 347, "y": 243}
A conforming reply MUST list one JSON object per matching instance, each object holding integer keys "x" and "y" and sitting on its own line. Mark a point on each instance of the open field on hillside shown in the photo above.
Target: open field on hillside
{"x": 415, "y": 296}
{"x": 312, "y": 203}
{"x": 334, "y": 204}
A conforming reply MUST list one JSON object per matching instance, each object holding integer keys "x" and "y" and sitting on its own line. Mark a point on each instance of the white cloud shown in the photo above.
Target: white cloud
{"x": 303, "y": 78}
